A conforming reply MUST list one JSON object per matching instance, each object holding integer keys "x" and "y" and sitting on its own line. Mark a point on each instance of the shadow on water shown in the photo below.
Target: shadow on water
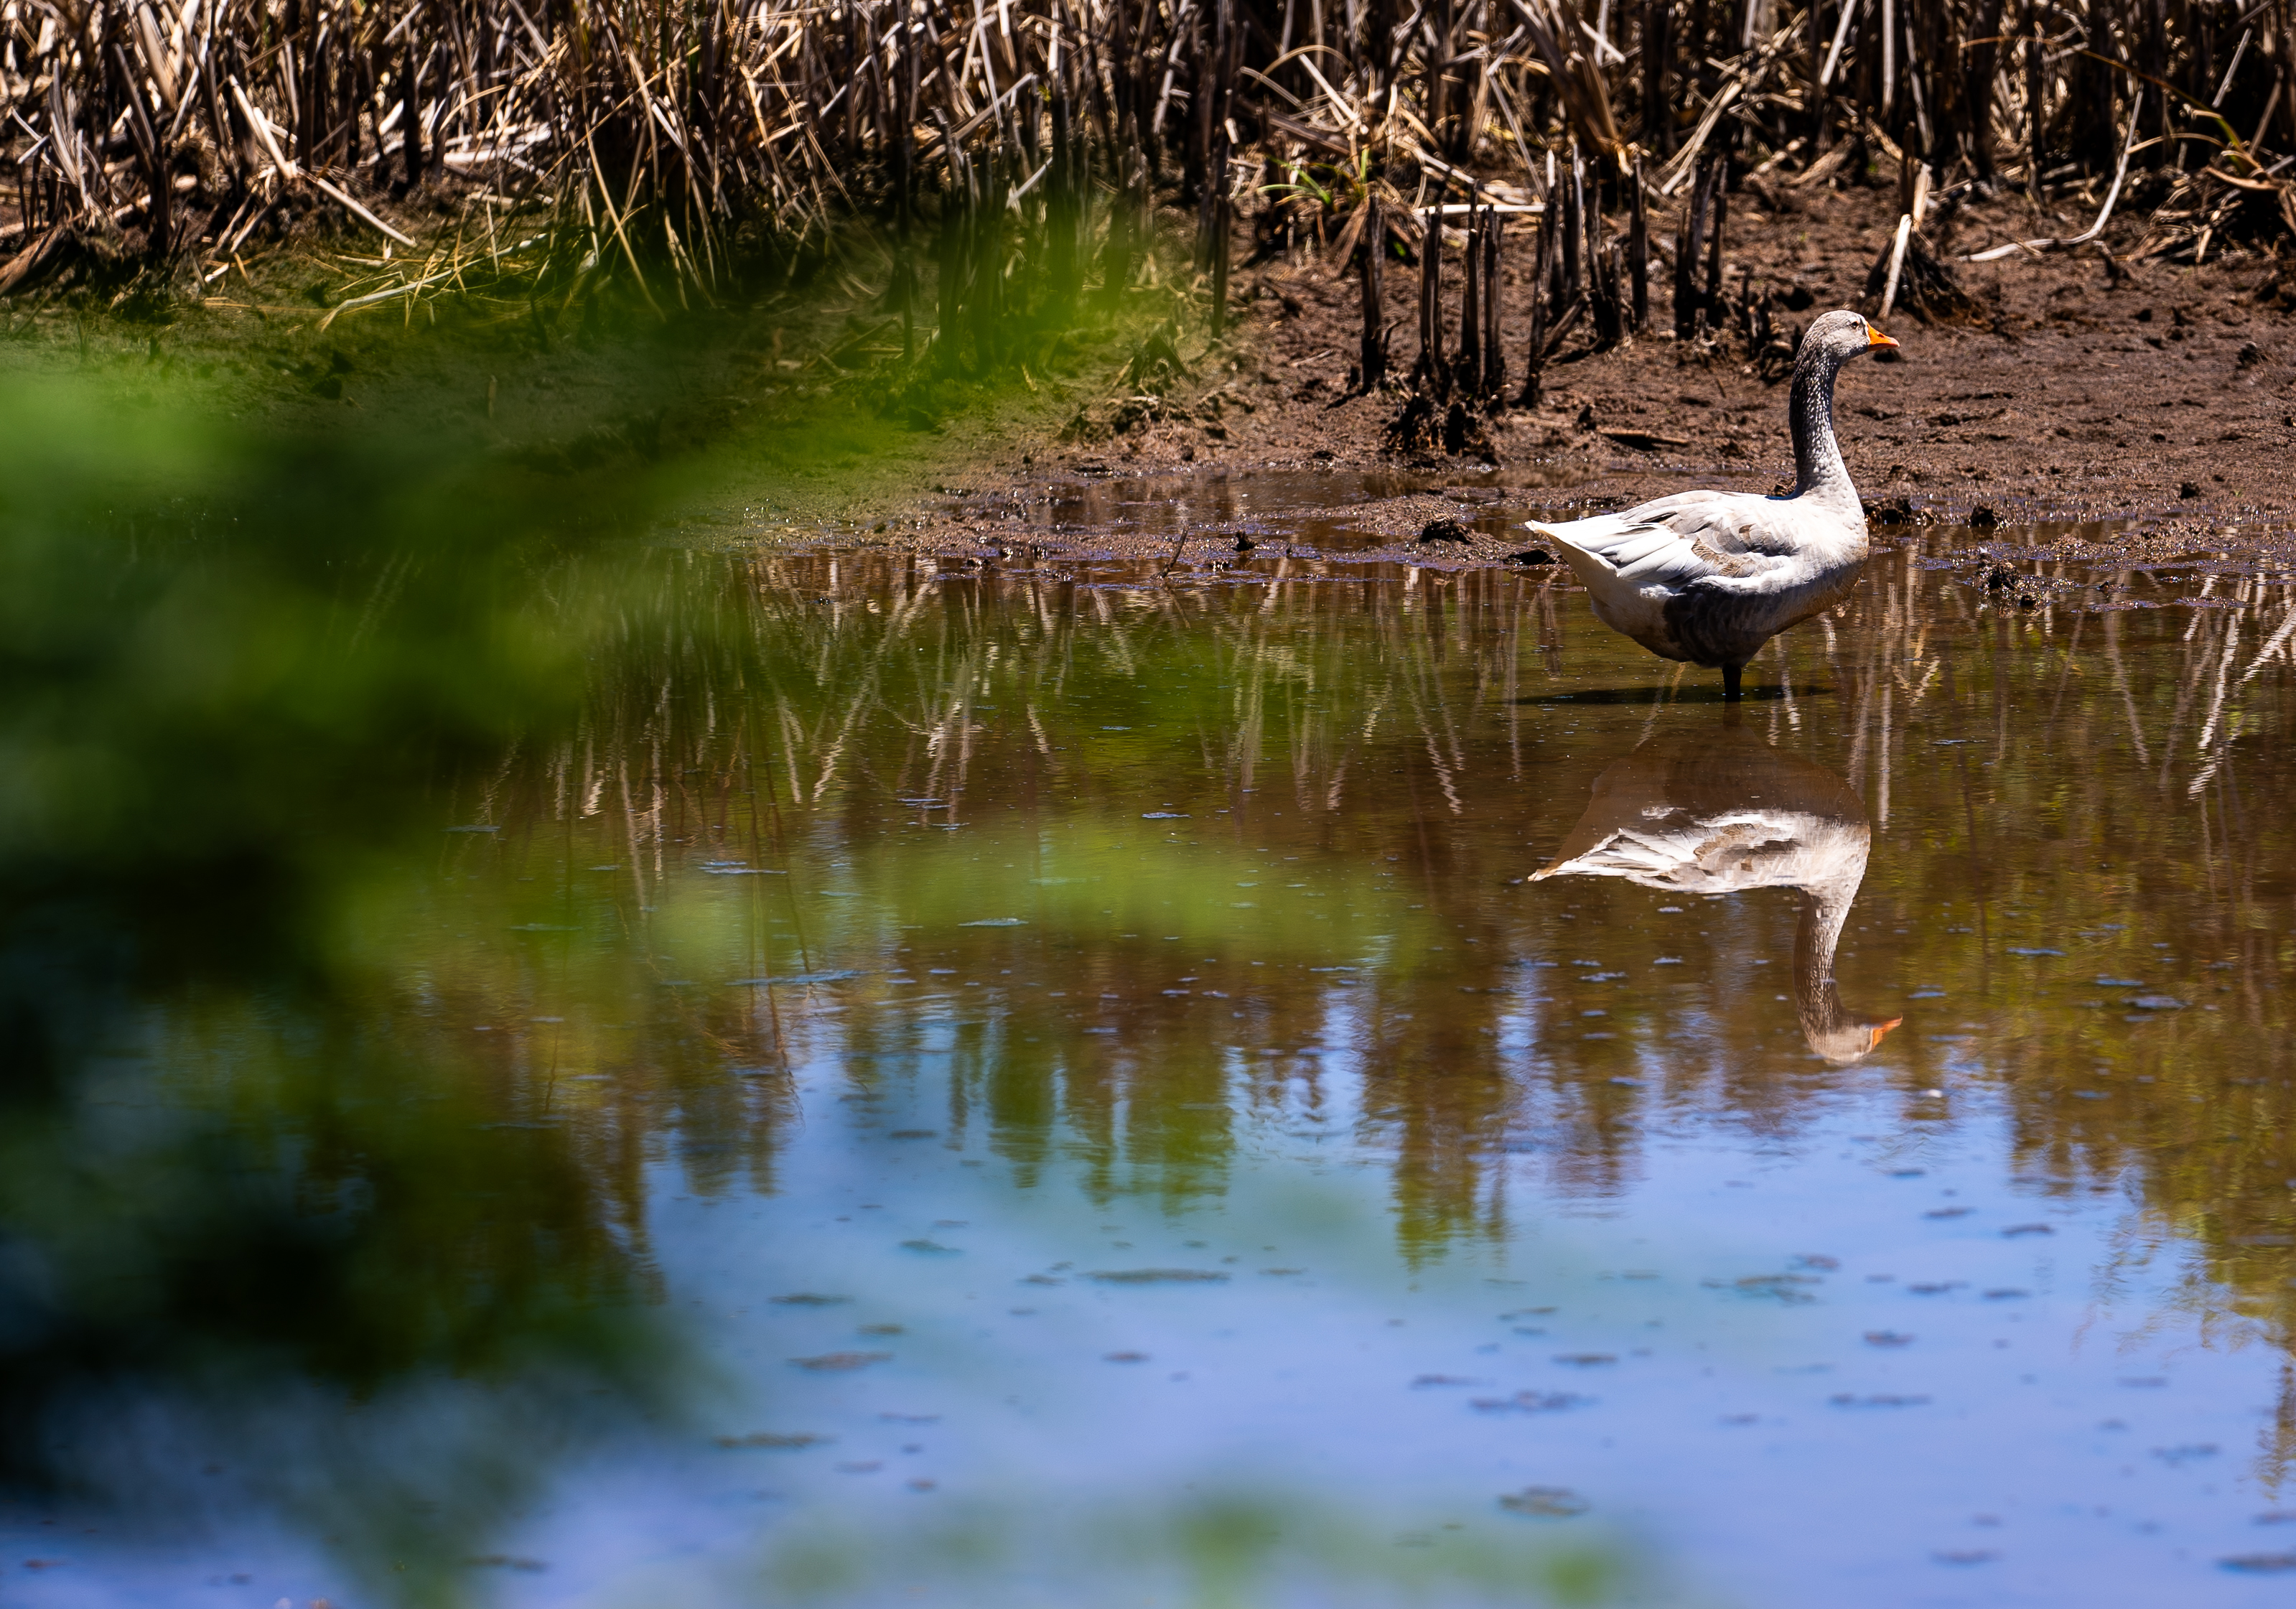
{"x": 1695, "y": 693}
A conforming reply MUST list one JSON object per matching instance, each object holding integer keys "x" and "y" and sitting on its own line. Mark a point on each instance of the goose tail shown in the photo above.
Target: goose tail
{"x": 1582, "y": 542}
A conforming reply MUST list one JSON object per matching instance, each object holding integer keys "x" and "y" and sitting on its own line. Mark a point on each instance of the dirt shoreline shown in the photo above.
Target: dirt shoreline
{"x": 2158, "y": 396}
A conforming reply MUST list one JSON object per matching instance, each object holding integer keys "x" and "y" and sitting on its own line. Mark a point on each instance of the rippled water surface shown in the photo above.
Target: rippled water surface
{"x": 1307, "y": 1084}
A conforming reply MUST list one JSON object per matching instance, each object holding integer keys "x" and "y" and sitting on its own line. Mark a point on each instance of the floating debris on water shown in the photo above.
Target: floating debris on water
{"x": 838, "y": 1363}
{"x": 791, "y": 1440}
{"x": 1530, "y": 1403}
{"x": 827, "y": 977}
{"x": 1546, "y": 1502}
{"x": 2260, "y": 1563}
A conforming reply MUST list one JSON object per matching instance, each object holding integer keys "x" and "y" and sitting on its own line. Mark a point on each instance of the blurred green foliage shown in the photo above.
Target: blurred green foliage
{"x": 231, "y": 669}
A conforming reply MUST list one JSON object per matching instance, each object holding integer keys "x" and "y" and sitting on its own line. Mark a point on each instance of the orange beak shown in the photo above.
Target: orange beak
{"x": 1874, "y": 338}
{"x": 1881, "y": 1029}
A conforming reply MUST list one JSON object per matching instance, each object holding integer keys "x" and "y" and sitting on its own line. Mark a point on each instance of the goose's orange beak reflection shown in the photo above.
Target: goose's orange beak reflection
{"x": 1874, "y": 338}
{"x": 1881, "y": 1029}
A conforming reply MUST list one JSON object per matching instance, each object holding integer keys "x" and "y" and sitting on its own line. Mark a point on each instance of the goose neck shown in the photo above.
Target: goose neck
{"x": 1825, "y": 910}
{"x": 1817, "y": 456}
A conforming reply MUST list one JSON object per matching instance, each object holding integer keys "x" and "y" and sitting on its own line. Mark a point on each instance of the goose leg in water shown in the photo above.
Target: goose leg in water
{"x": 1730, "y": 674}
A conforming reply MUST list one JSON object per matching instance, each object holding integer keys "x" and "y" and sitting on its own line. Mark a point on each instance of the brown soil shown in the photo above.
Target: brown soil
{"x": 2078, "y": 390}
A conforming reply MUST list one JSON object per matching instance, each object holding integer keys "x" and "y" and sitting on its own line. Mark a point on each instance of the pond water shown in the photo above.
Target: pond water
{"x": 828, "y": 1078}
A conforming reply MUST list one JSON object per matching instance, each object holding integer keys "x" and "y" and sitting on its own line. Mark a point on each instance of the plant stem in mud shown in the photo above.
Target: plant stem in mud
{"x": 1372, "y": 364}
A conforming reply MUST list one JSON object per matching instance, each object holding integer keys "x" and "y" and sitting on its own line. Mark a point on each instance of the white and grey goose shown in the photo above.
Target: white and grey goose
{"x": 1710, "y": 814}
{"x": 1710, "y": 577}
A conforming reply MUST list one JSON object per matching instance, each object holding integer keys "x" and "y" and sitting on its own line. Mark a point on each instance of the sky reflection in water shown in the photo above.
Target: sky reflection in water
{"x": 1102, "y": 1091}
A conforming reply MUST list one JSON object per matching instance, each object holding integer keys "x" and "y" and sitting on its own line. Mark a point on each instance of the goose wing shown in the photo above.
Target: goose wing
{"x": 1679, "y": 541}
{"x": 1728, "y": 852}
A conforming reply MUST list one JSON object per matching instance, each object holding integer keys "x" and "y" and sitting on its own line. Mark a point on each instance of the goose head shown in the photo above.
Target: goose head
{"x": 1844, "y": 1041}
{"x": 1839, "y": 336}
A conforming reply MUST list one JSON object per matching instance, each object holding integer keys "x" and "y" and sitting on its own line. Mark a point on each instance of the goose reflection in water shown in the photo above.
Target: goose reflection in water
{"x": 1710, "y": 814}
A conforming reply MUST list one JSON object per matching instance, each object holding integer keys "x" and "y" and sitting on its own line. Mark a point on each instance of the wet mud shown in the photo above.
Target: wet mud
{"x": 2078, "y": 390}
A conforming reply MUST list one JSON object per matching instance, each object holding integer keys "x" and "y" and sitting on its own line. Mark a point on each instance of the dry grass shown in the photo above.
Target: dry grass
{"x": 1022, "y": 148}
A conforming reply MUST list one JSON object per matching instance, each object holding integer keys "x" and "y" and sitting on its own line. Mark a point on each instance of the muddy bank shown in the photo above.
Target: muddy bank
{"x": 2155, "y": 395}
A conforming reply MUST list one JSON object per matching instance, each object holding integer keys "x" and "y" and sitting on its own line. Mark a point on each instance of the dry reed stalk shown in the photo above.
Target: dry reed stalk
{"x": 700, "y": 151}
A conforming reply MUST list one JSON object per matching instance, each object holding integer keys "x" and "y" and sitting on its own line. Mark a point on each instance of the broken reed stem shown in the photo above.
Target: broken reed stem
{"x": 1535, "y": 353}
{"x": 1712, "y": 298}
{"x": 1897, "y": 263}
{"x": 1468, "y": 371}
{"x": 1222, "y": 227}
{"x": 1494, "y": 364}
{"x": 1638, "y": 247}
{"x": 1432, "y": 375}
{"x": 1689, "y": 249}
{"x": 1372, "y": 364}
{"x": 1574, "y": 225}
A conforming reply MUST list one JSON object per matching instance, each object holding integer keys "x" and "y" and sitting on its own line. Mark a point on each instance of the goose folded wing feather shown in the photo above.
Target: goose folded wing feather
{"x": 1688, "y": 538}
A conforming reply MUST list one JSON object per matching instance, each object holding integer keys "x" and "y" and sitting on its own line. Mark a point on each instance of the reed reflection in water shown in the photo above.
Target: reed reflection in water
{"x": 1403, "y": 732}
{"x": 1394, "y": 729}
{"x": 1064, "y": 895}
{"x": 1115, "y": 886}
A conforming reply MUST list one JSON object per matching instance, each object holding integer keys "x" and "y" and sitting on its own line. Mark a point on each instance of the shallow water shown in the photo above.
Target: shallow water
{"x": 1316, "y": 1084}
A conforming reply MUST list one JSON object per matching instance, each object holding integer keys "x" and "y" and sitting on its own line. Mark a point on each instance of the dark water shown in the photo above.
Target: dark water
{"x": 556, "y": 1070}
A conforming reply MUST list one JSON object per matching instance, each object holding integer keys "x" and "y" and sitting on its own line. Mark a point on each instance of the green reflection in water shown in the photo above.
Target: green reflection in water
{"x": 403, "y": 863}
{"x": 1380, "y": 756}
{"x": 1218, "y": 1551}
